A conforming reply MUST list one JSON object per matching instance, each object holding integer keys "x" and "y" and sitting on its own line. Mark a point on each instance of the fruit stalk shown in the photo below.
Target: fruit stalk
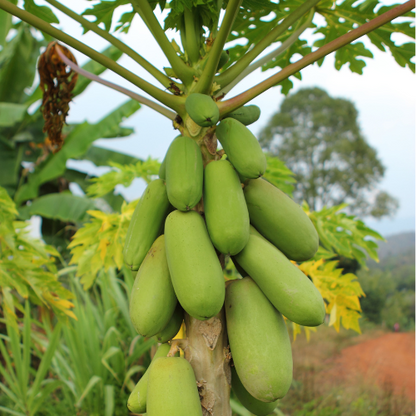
{"x": 208, "y": 353}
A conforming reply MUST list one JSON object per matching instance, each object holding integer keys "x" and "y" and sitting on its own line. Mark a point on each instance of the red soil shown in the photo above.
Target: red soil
{"x": 388, "y": 360}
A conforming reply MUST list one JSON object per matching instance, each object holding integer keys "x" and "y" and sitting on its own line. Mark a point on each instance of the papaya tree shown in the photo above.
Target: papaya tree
{"x": 197, "y": 215}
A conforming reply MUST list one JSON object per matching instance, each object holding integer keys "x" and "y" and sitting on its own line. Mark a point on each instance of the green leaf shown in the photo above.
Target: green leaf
{"x": 43, "y": 12}
{"x": 104, "y": 11}
{"x": 76, "y": 144}
{"x": 91, "y": 383}
{"x": 123, "y": 175}
{"x": 11, "y": 113}
{"x": 18, "y": 65}
{"x": 102, "y": 157}
{"x": 5, "y": 24}
{"x": 349, "y": 54}
{"x": 109, "y": 400}
{"x": 62, "y": 206}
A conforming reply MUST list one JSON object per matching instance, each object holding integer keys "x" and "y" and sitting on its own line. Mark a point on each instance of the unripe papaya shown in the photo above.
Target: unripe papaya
{"x": 202, "y": 109}
{"x": 172, "y": 389}
{"x": 246, "y": 115}
{"x": 224, "y": 58}
{"x": 242, "y": 148}
{"x": 184, "y": 173}
{"x": 279, "y": 219}
{"x": 173, "y": 326}
{"x": 137, "y": 400}
{"x": 153, "y": 299}
{"x": 162, "y": 169}
{"x": 259, "y": 341}
{"x": 225, "y": 208}
{"x": 255, "y": 406}
{"x": 289, "y": 290}
{"x": 194, "y": 266}
{"x": 146, "y": 223}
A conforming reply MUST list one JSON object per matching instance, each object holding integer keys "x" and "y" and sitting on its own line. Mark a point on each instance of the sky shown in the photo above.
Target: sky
{"x": 384, "y": 97}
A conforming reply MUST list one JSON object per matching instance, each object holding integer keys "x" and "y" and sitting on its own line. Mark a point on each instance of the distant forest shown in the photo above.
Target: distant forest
{"x": 390, "y": 284}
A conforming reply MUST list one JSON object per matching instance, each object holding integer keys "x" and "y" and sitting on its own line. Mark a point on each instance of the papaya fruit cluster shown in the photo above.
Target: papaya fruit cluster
{"x": 182, "y": 223}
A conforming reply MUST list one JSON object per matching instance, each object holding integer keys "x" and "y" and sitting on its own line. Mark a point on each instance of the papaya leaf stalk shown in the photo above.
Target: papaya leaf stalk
{"x": 158, "y": 75}
{"x": 139, "y": 98}
{"x": 205, "y": 82}
{"x": 232, "y": 104}
{"x": 273, "y": 54}
{"x": 183, "y": 71}
{"x": 174, "y": 102}
{"x": 235, "y": 70}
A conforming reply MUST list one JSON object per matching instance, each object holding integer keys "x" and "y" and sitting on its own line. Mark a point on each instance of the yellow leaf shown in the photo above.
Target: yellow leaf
{"x": 102, "y": 247}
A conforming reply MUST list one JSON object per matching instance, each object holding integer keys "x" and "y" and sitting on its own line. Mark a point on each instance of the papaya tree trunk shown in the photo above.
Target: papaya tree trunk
{"x": 208, "y": 353}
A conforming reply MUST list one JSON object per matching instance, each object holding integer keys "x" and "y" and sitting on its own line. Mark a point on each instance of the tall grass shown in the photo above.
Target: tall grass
{"x": 25, "y": 387}
{"x": 98, "y": 358}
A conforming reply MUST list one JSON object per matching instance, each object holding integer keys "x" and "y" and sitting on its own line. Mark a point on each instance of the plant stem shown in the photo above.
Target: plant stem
{"x": 184, "y": 72}
{"x": 232, "y": 104}
{"x": 235, "y": 70}
{"x": 207, "y": 352}
{"x": 191, "y": 37}
{"x": 176, "y": 103}
{"x": 205, "y": 82}
{"x": 273, "y": 54}
{"x": 143, "y": 100}
{"x": 160, "y": 76}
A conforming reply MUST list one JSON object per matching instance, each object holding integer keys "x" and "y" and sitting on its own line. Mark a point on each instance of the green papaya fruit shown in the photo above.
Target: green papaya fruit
{"x": 194, "y": 267}
{"x": 184, "y": 173}
{"x": 202, "y": 109}
{"x": 152, "y": 300}
{"x": 137, "y": 399}
{"x": 242, "y": 148}
{"x": 246, "y": 115}
{"x": 281, "y": 220}
{"x": 172, "y": 389}
{"x": 224, "y": 58}
{"x": 162, "y": 169}
{"x": 225, "y": 208}
{"x": 290, "y": 291}
{"x": 255, "y": 406}
{"x": 173, "y": 326}
{"x": 259, "y": 341}
{"x": 146, "y": 223}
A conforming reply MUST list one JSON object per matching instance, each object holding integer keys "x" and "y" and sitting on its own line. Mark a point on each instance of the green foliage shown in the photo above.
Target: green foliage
{"x": 27, "y": 389}
{"x": 98, "y": 245}
{"x": 279, "y": 175}
{"x": 27, "y": 267}
{"x": 97, "y": 359}
{"x": 76, "y": 144}
{"x": 345, "y": 235}
{"x": 61, "y": 206}
{"x": 123, "y": 174}
{"x": 319, "y": 139}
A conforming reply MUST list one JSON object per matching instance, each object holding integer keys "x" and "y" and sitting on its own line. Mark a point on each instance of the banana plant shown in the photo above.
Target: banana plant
{"x": 221, "y": 43}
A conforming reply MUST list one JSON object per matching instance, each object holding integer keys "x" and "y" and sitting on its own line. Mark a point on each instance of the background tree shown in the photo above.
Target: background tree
{"x": 319, "y": 139}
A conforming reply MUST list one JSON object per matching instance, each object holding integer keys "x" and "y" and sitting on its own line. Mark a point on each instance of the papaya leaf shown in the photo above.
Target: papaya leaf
{"x": 340, "y": 291}
{"x": 123, "y": 175}
{"x": 344, "y": 235}
{"x": 43, "y": 12}
{"x": 98, "y": 245}
{"x": 76, "y": 144}
{"x": 279, "y": 175}
{"x": 27, "y": 267}
{"x": 103, "y": 12}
